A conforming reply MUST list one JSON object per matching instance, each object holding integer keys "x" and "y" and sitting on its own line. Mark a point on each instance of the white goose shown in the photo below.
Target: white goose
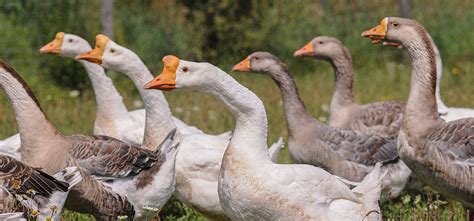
{"x": 112, "y": 117}
{"x": 196, "y": 174}
{"x": 446, "y": 113}
{"x": 150, "y": 172}
{"x": 43, "y": 195}
{"x": 440, "y": 154}
{"x": 251, "y": 186}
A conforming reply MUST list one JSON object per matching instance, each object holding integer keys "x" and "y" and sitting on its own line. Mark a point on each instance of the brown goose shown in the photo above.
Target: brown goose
{"x": 382, "y": 118}
{"x": 43, "y": 195}
{"x": 440, "y": 154}
{"x": 347, "y": 153}
{"x": 100, "y": 155}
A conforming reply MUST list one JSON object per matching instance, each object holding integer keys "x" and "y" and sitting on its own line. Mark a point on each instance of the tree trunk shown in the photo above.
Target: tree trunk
{"x": 107, "y": 17}
{"x": 405, "y": 12}
{"x": 405, "y": 8}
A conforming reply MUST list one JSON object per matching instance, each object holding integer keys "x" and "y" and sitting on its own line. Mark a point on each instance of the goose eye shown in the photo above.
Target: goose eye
{"x": 320, "y": 42}
{"x": 256, "y": 58}
{"x": 185, "y": 69}
{"x": 395, "y": 24}
{"x": 112, "y": 51}
{"x": 70, "y": 40}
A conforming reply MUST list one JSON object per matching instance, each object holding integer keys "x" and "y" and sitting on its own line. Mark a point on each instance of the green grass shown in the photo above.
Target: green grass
{"x": 374, "y": 82}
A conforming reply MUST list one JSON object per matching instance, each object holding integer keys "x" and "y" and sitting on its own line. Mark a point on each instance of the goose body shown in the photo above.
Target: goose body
{"x": 381, "y": 118}
{"x": 440, "y": 154}
{"x": 251, "y": 186}
{"x": 43, "y": 195}
{"x": 196, "y": 174}
{"x": 347, "y": 153}
{"x": 96, "y": 155}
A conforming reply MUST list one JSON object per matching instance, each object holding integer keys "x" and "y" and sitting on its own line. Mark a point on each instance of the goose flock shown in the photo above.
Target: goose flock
{"x": 135, "y": 159}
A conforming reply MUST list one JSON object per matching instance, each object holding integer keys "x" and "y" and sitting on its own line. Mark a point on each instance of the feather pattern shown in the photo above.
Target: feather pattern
{"x": 19, "y": 178}
{"x": 106, "y": 156}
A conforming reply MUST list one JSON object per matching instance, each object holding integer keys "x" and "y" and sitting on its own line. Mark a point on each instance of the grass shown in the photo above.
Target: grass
{"x": 374, "y": 82}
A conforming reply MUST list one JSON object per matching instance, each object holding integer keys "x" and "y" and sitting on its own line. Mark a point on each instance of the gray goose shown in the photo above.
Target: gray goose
{"x": 440, "y": 154}
{"x": 381, "y": 118}
{"x": 41, "y": 194}
{"x": 98, "y": 155}
{"x": 347, "y": 153}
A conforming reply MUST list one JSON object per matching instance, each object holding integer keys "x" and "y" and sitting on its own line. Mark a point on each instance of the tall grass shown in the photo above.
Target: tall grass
{"x": 276, "y": 26}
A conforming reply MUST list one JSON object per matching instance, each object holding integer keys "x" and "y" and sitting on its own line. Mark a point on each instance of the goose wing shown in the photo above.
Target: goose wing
{"x": 381, "y": 118}
{"x": 20, "y": 178}
{"x": 109, "y": 157}
{"x": 455, "y": 139}
{"x": 360, "y": 147}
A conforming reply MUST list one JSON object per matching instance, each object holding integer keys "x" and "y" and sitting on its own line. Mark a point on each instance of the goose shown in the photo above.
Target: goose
{"x": 112, "y": 117}
{"x": 381, "y": 118}
{"x": 251, "y": 186}
{"x": 446, "y": 113}
{"x": 440, "y": 154}
{"x": 196, "y": 175}
{"x": 348, "y": 153}
{"x": 96, "y": 155}
{"x": 43, "y": 195}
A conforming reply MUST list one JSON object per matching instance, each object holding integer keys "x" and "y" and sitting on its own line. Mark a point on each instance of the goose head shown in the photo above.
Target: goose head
{"x": 179, "y": 74}
{"x": 261, "y": 62}
{"x": 109, "y": 54}
{"x": 395, "y": 31}
{"x": 66, "y": 45}
{"x": 322, "y": 47}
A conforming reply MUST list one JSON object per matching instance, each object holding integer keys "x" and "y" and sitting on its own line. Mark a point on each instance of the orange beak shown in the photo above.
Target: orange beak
{"x": 95, "y": 55}
{"x": 377, "y": 34}
{"x": 167, "y": 79}
{"x": 243, "y": 66}
{"x": 307, "y": 50}
{"x": 53, "y": 47}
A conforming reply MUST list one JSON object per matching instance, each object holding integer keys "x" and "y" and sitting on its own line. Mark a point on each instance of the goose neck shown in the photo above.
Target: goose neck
{"x": 439, "y": 74}
{"x": 108, "y": 100}
{"x": 250, "y": 135}
{"x": 158, "y": 120}
{"x": 342, "y": 95}
{"x": 35, "y": 129}
{"x": 295, "y": 110}
{"x": 421, "y": 105}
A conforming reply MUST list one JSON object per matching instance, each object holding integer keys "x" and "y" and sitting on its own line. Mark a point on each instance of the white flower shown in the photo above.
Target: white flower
{"x": 323, "y": 119}
{"x": 325, "y": 107}
{"x": 74, "y": 93}
{"x": 195, "y": 108}
{"x": 148, "y": 208}
{"x": 137, "y": 103}
{"x": 179, "y": 110}
{"x": 122, "y": 217}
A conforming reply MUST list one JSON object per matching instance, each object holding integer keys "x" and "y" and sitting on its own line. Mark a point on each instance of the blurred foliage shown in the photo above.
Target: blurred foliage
{"x": 220, "y": 31}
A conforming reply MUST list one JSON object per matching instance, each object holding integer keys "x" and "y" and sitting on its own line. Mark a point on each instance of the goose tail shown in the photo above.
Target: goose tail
{"x": 369, "y": 191}
{"x": 274, "y": 150}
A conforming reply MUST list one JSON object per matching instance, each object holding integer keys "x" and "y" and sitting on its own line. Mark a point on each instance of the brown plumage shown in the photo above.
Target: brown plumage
{"x": 107, "y": 156}
{"x": 19, "y": 178}
{"x": 381, "y": 118}
{"x": 440, "y": 154}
